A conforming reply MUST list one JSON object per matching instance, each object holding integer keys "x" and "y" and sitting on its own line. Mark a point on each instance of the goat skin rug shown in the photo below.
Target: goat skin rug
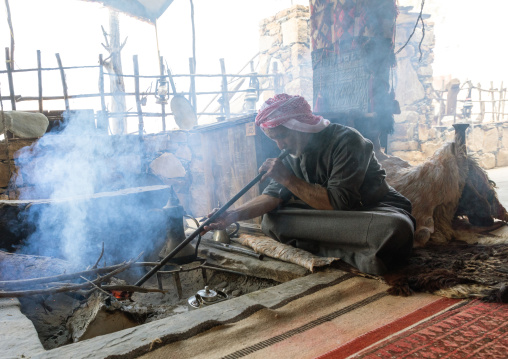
{"x": 455, "y": 270}
{"x": 474, "y": 329}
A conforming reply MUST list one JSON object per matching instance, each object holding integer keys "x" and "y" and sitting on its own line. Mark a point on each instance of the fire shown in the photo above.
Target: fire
{"x": 121, "y": 294}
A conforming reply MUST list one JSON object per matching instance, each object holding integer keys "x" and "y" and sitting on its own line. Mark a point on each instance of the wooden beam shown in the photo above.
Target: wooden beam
{"x": 64, "y": 83}
{"x": 10, "y": 79}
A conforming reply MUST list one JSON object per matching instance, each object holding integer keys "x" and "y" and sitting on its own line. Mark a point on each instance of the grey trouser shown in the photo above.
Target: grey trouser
{"x": 372, "y": 239}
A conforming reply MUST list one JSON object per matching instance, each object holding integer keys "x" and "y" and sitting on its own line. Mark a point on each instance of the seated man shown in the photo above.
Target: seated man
{"x": 330, "y": 195}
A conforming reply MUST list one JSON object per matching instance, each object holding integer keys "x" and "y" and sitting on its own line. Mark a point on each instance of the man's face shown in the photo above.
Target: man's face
{"x": 292, "y": 141}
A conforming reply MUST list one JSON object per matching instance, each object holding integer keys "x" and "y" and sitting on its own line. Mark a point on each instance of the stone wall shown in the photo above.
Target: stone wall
{"x": 285, "y": 39}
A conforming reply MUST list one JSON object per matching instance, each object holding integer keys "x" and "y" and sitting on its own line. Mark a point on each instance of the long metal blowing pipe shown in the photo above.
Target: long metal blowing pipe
{"x": 217, "y": 214}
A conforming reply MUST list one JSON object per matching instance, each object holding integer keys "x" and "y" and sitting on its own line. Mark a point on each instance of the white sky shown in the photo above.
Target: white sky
{"x": 469, "y": 40}
{"x": 226, "y": 29}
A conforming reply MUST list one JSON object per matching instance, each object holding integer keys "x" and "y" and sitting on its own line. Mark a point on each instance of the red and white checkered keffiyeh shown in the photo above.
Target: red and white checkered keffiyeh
{"x": 289, "y": 111}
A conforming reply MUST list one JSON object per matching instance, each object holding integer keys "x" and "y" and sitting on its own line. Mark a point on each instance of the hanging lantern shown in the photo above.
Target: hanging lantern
{"x": 162, "y": 91}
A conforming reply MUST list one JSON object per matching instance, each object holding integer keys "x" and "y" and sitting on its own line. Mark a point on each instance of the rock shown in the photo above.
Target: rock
{"x": 504, "y": 140}
{"x": 404, "y": 146}
{"x": 490, "y": 139}
{"x": 295, "y": 30}
{"x": 408, "y": 87}
{"x": 502, "y": 158}
{"x": 25, "y": 124}
{"x": 487, "y": 161}
{"x": 406, "y": 116}
{"x": 167, "y": 166}
{"x": 236, "y": 293}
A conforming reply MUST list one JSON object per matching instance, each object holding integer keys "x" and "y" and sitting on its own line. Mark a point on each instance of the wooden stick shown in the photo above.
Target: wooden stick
{"x": 163, "y": 105}
{"x": 192, "y": 96}
{"x": 499, "y": 104}
{"x": 69, "y": 288}
{"x": 39, "y": 79}
{"x": 493, "y": 101}
{"x": 64, "y": 83}
{"x": 138, "y": 100}
{"x": 225, "y": 96}
{"x": 10, "y": 79}
{"x": 70, "y": 276}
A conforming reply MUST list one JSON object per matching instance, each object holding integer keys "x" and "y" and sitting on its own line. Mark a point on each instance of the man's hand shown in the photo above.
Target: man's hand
{"x": 276, "y": 170}
{"x": 222, "y": 222}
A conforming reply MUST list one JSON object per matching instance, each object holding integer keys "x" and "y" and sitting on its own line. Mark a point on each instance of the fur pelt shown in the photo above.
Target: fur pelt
{"x": 446, "y": 186}
{"x": 457, "y": 270}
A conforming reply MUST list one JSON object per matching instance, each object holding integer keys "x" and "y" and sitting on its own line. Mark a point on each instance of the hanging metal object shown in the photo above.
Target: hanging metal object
{"x": 162, "y": 91}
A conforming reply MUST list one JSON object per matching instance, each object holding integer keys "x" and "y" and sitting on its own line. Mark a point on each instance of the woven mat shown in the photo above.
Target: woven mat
{"x": 308, "y": 326}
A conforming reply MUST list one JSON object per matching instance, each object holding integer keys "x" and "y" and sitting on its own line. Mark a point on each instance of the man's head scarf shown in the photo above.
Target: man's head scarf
{"x": 289, "y": 111}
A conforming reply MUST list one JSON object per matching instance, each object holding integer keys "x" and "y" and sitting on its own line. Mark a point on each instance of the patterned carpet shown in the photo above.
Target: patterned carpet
{"x": 473, "y": 330}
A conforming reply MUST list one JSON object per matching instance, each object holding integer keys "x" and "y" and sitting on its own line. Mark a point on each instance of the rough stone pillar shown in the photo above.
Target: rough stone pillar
{"x": 284, "y": 39}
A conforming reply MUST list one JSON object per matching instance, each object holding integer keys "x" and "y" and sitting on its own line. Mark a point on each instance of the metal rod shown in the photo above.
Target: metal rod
{"x": 212, "y": 218}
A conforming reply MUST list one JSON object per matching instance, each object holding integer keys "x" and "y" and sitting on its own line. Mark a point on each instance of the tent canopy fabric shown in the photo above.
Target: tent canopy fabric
{"x": 146, "y": 10}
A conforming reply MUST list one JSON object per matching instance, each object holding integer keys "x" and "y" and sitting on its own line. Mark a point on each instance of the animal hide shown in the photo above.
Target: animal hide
{"x": 447, "y": 185}
{"x": 457, "y": 270}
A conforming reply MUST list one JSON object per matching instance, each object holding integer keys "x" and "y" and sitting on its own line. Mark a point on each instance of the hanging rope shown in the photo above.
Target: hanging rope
{"x": 420, "y": 18}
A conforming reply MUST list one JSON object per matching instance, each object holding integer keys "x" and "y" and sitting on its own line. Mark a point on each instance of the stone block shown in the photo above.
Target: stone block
{"x": 502, "y": 158}
{"x": 490, "y": 139}
{"x": 403, "y": 146}
{"x": 295, "y": 30}
{"x": 408, "y": 87}
{"x": 167, "y": 166}
{"x": 425, "y": 71}
{"x": 487, "y": 161}
{"x": 404, "y": 131}
{"x": 266, "y": 43}
{"x": 430, "y": 148}
{"x": 406, "y": 116}
{"x": 156, "y": 143}
{"x": 183, "y": 152}
{"x": 504, "y": 139}
{"x": 5, "y": 174}
{"x": 413, "y": 157}
{"x": 178, "y": 136}
{"x": 474, "y": 139}
{"x": 424, "y": 132}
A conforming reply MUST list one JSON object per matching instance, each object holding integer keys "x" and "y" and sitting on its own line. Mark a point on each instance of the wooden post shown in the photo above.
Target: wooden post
{"x": 500, "y": 101}
{"x": 192, "y": 95}
{"x": 493, "y": 101}
{"x": 503, "y": 97}
{"x": 64, "y": 83}
{"x": 163, "y": 105}
{"x": 39, "y": 79}
{"x": 102, "y": 116}
{"x": 482, "y": 104}
{"x": 225, "y": 95}
{"x": 10, "y": 79}
{"x": 138, "y": 100}
{"x": 101, "y": 83}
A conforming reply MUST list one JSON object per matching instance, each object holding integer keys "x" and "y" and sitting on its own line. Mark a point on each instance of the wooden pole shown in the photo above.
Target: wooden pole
{"x": 138, "y": 100}
{"x": 493, "y": 101}
{"x": 39, "y": 79}
{"x": 101, "y": 83}
{"x": 64, "y": 83}
{"x": 503, "y": 95}
{"x": 500, "y": 101}
{"x": 192, "y": 96}
{"x": 163, "y": 105}
{"x": 10, "y": 79}
{"x": 482, "y": 103}
{"x": 225, "y": 96}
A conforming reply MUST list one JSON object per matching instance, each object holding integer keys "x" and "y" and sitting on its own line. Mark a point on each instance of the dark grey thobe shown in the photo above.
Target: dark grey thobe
{"x": 370, "y": 227}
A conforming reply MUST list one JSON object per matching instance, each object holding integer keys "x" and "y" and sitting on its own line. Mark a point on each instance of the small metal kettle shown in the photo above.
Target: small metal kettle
{"x": 206, "y": 297}
{"x": 222, "y": 235}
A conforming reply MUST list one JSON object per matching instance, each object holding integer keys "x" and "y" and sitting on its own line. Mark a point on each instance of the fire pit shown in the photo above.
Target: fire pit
{"x": 64, "y": 318}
